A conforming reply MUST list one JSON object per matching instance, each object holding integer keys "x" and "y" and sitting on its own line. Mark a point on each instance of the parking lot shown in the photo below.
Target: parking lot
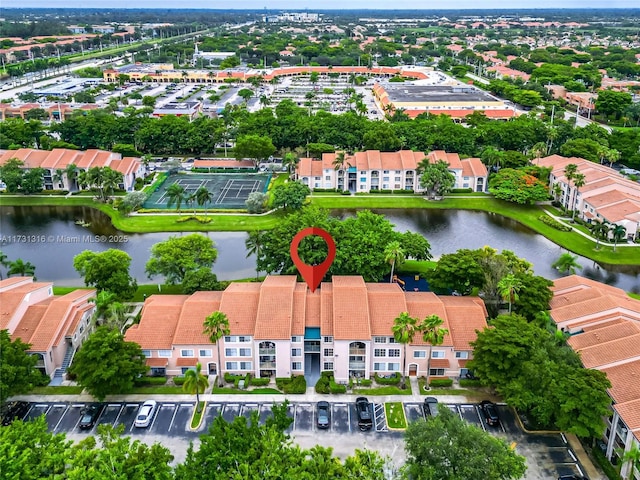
{"x": 548, "y": 456}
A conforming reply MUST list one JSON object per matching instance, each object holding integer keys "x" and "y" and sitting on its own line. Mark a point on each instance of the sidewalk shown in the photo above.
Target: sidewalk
{"x": 589, "y": 469}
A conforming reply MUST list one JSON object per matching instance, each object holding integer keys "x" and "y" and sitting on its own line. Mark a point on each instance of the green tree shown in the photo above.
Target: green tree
{"x": 107, "y": 364}
{"x": 21, "y": 268}
{"x": 149, "y": 101}
{"x": 32, "y": 181}
{"x": 415, "y": 246}
{"x": 245, "y": 94}
{"x": 256, "y": 147}
{"x": 610, "y": 102}
{"x": 433, "y": 334}
{"x": 599, "y": 230}
{"x": 216, "y": 326}
{"x": 436, "y": 178}
{"x": 534, "y": 296}
{"x": 17, "y": 367}
{"x": 195, "y": 382}
{"x": 290, "y": 196}
{"x": 256, "y": 202}
{"x": 630, "y": 459}
{"x": 4, "y": 261}
{"x": 567, "y": 263}
{"x": 578, "y": 182}
{"x": 11, "y": 174}
{"x": 132, "y": 201}
{"x": 618, "y": 232}
{"x": 393, "y": 254}
{"x": 405, "y": 327}
{"x": 176, "y": 194}
{"x": 447, "y": 448}
{"x": 517, "y": 186}
{"x": 253, "y": 242}
{"x": 459, "y": 272}
{"x": 200, "y": 280}
{"x": 509, "y": 286}
{"x": 203, "y": 197}
{"x": 176, "y": 256}
{"x": 108, "y": 270}
{"x": 340, "y": 163}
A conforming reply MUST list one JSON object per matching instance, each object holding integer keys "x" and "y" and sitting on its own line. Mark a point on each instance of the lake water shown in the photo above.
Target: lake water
{"x": 49, "y": 237}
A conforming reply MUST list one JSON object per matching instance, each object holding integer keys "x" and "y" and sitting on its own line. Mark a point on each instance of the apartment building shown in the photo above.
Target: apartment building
{"x": 54, "y": 326}
{"x": 604, "y": 323}
{"x": 374, "y": 170}
{"x": 55, "y": 162}
{"x": 606, "y": 196}
{"x": 279, "y": 328}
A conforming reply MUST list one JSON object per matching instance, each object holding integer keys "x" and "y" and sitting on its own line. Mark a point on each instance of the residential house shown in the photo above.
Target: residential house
{"x": 606, "y": 196}
{"x": 279, "y": 328}
{"x": 373, "y": 170}
{"x": 604, "y": 324}
{"x": 55, "y": 162}
{"x": 53, "y": 326}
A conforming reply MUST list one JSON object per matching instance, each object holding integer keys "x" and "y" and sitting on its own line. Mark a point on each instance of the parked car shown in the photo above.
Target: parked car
{"x": 14, "y": 410}
{"x": 323, "y": 414}
{"x": 490, "y": 412}
{"x": 90, "y": 416}
{"x": 430, "y": 407}
{"x": 363, "y": 407}
{"x": 145, "y": 414}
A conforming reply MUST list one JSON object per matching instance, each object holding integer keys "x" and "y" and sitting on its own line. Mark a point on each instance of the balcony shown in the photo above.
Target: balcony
{"x": 312, "y": 348}
{"x": 267, "y": 365}
{"x": 356, "y": 365}
{"x": 266, "y": 351}
{"x": 357, "y": 351}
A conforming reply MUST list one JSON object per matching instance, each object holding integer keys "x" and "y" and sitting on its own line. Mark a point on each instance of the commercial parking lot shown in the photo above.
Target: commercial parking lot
{"x": 548, "y": 455}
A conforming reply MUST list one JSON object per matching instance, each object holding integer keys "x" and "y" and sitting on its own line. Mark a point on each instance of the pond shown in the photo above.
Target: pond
{"x": 49, "y": 237}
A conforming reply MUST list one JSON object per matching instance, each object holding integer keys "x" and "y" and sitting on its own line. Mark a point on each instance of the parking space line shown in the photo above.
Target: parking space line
{"x": 175, "y": 412}
{"x": 55, "y": 429}
{"x": 479, "y": 413}
{"x": 572, "y": 455}
{"x": 119, "y": 411}
{"x": 155, "y": 415}
{"x": 349, "y": 417}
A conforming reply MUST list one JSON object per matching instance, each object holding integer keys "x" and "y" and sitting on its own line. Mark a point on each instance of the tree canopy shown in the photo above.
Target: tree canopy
{"x": 176, "y": 257}
{"x": 290, "y": 196}
{"x": 445, "y": 447}
{"x": 108, "y": 270}
{"x": 17, "y": 368}
{"x": 107, "y": 364}
{"x": 517, "y": 186}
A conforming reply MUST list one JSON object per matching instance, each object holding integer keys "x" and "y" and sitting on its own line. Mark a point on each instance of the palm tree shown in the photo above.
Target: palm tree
{"x": 618, "y": 232}
{"x": 176, "y": 194}
{"x": 4, "y": 261}
{"x": 102, "y": 300}
{"x": 216, "y": 326}
{"x": 569, "y": 172}
{"x": 195, "y": 382}
{"x": 578, "y": 181}
{"x": 340, "y": 163}
{"x": 21, "y": 268}
{"x": 290, "y": 161}
{"x": 404, "y": 329}
{"x": 393, "y": 254}
{"x": 434, "y": 334}
{"x": 203, "y": 197}
{"x": 508, "y": 287}
{"x": 111, "y": 181}
{"x": 253, "y": 243}
{"x": 538, "y": 150}
{"x": 58, "y": 176}
{"x": 599, "y": 230}
{"x": 632, "y": 458}
{"x": 71, "y": 171}
{"x": 116, "y": 316}
{"x": 567, "y": 263}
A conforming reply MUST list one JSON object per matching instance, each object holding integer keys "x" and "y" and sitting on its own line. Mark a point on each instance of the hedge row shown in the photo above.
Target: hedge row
{"x": 546, "y": 219}
{"x": 178, "y": 380}
{"x": 467, "y": 382}
{"x": 294, "y": 384}
{"x": 441, "y": 382}
{"x": 391, "y": 380}
{"x": 142, "y": 381}
{"x": 259, "y": 382}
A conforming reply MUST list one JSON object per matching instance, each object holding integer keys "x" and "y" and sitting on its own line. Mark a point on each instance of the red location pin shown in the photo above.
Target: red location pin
{"x": 312, "y": 274}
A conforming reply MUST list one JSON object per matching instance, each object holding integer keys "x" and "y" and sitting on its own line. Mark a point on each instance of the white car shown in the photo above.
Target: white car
{"x": 145, "y": 414}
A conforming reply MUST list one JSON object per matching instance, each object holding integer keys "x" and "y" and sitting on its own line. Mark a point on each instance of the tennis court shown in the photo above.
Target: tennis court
{"x": 228, "y": 190}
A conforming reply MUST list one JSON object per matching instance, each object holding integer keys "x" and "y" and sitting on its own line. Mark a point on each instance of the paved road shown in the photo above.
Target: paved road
{"x": 547, "y": 455}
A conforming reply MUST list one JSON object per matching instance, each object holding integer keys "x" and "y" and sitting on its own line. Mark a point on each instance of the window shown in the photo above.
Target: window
{"x": 230, "y": 352}
{"x": 327, "y": 339}
{"x": 245, "y": 365}
{"x": 186, "y": 353}
{"x": 362, "y": 172}
{"x": 297, "y": 339}
{"x": 379, "y": 339}
{"x": 419, "y": 354}
{"x": 146, "y": 353}
{"x": 165, "y": 353}
{"x": 316, "y": 178}
{"x": 327, "y": 177}
{"x": 398, "y": 179}
{"x": 462, "y": 355}
{"x": 394, "y": 352}
{"x": 245, "y": 352}
{"x": 437, "y": 354}
{"x": 81, "y": 329}
{"x": 296, "y": 352}
{"x": 296, "y": 366}
{"x": 385, "y": 179}
{"x": 438, "y": 372}
{"x": 465, "y": 178}
{"x": 230, "y": 339}
{"x": 393, "y": 367}
{"x": 328, "y": 352}
{"x": 184, "y": 370}
{"x": 327, "y": 366}
{"x": 363, "y": 187}
{"x": 379, "y": 366}
{"x": 385, "y": 186}
{"x": 392, "y": 340}
{"x": 385, "y": 171}
{"x": 379, "y": 352}
{"x": 244, "y": 339}
{"x": 231, "y": 365}
{"x": 205, "y": 353}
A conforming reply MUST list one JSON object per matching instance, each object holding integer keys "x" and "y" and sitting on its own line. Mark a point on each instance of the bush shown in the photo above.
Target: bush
{"x": 467, "y": 382}
{"x": 337, "y": 388}
{"x": 231, "y": 377}
{"x": 547, "y": 220}
{"x": 365, "y": 382}
{"x": 403, "y": 192}
{"x": 323, "y": 384}
{"x": 461, "y": 190}
{"x": 441, "y": 382}
{"x": 150, "y": 381}
{"x": 345, "y": 192}
{"x": 610, "y": 471}
{"x": 259, "y": 382}
{"x": 295, "y": 384}
{"x": 393, "y": 379}
{"x": 178, "y": 380}
{"x": 383, "y": 191}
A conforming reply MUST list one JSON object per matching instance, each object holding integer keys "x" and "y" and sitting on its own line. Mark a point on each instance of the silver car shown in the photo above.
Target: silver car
{"x": 145, "y": 414}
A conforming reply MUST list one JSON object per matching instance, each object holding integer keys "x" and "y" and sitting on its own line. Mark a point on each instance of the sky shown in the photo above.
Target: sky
{"x": 323, "y": 4}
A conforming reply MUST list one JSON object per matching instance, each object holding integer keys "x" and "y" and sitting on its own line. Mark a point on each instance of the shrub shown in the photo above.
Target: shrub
{"x": 441, "y": 382}
{"x": 345, "y": 192}
{"x": 609, "y": 470}
{"x": 461, "y": 190}
{"x": 178, "y": 380}
{"x": 281, "y": 382}
{"x": 365, "y": 382}
{"x": 403, "y": 192}
{"x": 337, "y": 388}
{"x": 150, "y": 381}
{"x": 327, "y": 374}
{"x": 231, "y": 377}
{"x": 382, "y": 190}
{"x": 467, "y": 382}
{"x": 554, "y": 223}
{"x": 393, "y": 379}
{"x": 259, "y": 382}
{"x": 295, "y": 384}
{"x": 323, "y": 384}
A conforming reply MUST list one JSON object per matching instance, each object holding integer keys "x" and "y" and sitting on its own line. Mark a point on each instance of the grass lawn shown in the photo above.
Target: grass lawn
{"x": 395, "y": 415}
{"x": 237, "y": 391}
{"x": 159, "y": 389}
{"x": 416, "y": 266}
{"x": 634, "y": 295}
{"x": 197, "y": 415}
{"x": 139, "y": 296}
{"x": 385, "y": 390}
{"x": 450, "y": 391}
{"x": 58, "y": 390}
